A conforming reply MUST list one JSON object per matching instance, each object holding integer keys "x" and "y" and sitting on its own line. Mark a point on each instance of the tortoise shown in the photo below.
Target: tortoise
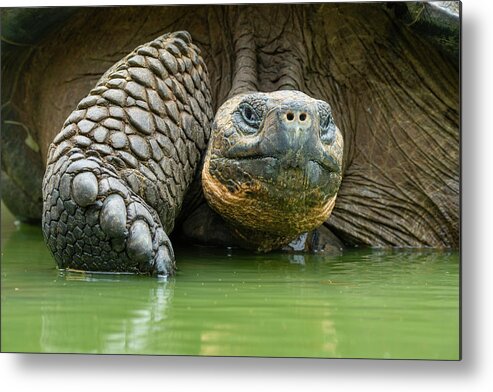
{"x": 228, "y": 135}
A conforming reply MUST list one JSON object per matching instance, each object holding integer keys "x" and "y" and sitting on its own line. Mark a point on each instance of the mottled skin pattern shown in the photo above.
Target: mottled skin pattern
{"x": 123, "y": 164}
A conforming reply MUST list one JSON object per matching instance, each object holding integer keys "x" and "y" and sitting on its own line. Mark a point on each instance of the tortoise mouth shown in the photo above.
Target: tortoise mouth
{"x": 276, "y": 174}
{"x": 288, "y": 163}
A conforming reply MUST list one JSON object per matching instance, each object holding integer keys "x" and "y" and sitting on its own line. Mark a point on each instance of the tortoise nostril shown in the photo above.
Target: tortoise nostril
{"x": 302, "y": 116}
{"x": 290, "y": 116}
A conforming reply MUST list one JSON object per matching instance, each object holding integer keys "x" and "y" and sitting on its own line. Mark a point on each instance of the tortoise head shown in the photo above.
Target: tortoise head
{"x": 273, "y": 166}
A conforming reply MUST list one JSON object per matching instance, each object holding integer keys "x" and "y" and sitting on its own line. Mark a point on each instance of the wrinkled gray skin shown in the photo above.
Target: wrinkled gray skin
{"x": 120, "y": 168}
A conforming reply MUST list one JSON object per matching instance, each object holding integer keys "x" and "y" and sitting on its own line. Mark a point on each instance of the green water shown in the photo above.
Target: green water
{"x": 362, "y": 304}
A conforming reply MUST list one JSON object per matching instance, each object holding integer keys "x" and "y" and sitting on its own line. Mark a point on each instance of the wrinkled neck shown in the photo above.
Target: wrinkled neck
{"x": 267, "y": 64}
{"x": 245, "y": 78}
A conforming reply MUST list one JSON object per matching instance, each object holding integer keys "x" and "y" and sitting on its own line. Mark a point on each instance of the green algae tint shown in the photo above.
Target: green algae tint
{"x": 361, "y": 304}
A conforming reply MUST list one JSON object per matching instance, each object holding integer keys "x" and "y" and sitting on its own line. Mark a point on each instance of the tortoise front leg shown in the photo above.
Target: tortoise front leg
{"x": 118, "y": 171}
{"x": 92, "y": 221}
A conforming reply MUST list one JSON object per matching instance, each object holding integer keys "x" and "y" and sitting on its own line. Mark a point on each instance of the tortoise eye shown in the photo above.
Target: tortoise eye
{"x": 327, "y": 129}
{"x": 249, "y": 115}
{"x": 327, "y": 125}
{"x": 248, "y": 118}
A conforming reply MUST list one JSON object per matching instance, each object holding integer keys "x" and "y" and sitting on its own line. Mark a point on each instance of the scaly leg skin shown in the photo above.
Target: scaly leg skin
{"x": 118, "y": 171}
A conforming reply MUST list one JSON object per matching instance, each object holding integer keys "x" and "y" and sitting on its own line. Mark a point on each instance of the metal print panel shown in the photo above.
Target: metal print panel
{"x": 232, "y": 180}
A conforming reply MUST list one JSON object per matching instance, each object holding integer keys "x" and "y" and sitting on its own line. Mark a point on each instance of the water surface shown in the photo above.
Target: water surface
{"x": 360, "y": 304}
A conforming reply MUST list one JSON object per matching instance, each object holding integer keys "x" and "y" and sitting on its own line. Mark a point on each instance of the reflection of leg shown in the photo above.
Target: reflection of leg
{"x": 141, "y": 327}
{"x": 92, "y": 221}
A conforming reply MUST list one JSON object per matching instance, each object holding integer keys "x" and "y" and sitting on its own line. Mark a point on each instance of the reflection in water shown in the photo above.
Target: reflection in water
{"x": 107, "y": 310}
{"x": 268, "y": 310}
{"x": 297, "y": 259}
{"x": 363, "y": 303}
